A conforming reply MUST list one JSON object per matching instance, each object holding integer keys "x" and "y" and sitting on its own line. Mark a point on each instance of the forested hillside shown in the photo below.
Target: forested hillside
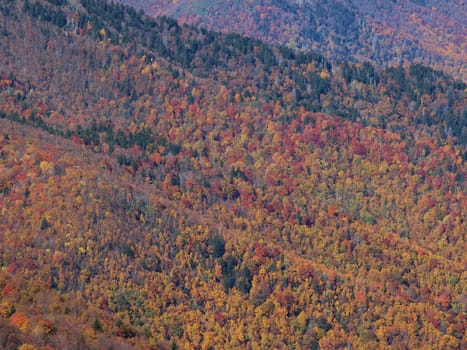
{"x": 431, "y": 32}
{"x": 163, "y": 186}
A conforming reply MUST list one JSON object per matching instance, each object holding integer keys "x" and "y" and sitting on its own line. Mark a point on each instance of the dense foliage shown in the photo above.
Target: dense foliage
{"x": 163, "y": 186}
{"x": 384, "y": 32}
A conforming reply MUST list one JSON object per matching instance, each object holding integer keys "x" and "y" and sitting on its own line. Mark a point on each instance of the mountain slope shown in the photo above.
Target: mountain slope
{"x": 395, "y": 98}
{"x": 165, "y": 186}
{"x": 384, "y": 32}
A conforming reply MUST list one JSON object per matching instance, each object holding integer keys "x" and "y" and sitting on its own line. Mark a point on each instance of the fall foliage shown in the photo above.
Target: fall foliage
{"x": 383, "y": 32}
{"x": 163, "y": 186}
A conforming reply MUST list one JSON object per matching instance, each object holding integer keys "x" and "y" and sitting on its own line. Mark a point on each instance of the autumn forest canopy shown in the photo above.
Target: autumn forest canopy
{"x": 165, "y": 186}
{"x": 383, "y": 32}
